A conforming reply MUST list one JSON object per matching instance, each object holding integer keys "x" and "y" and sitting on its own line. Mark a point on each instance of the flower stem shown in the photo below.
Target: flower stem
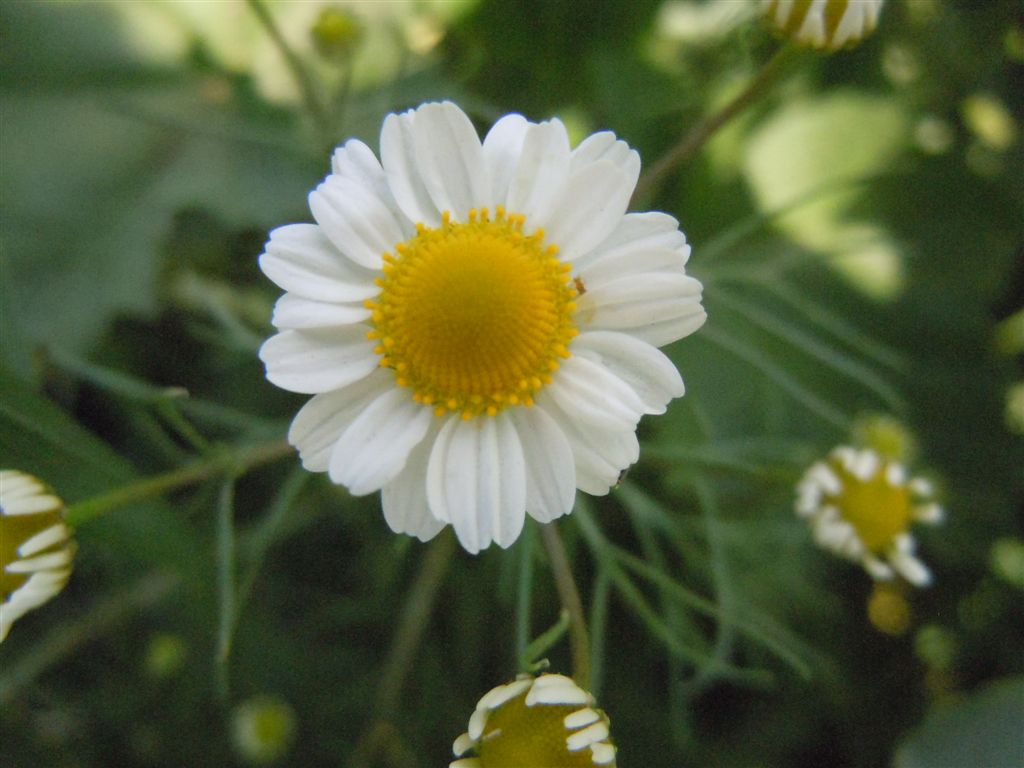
{"x": 692, "y": 142}
{"x": 569, "y": 595}
{"x": 412, "y": 623}
{"x": 238, "y": 462}
{"x": 298, "y": 69}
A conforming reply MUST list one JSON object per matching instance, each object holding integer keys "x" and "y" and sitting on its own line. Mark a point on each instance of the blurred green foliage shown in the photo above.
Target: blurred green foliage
{"x": 860, "y": 235}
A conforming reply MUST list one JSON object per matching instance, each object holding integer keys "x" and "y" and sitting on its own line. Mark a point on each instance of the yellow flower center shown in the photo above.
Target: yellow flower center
{"x": 15, "y": 530}
{"x": 473, "y": 316}
{"x": 877, "y": 510}
{"x": 517, "y": 735}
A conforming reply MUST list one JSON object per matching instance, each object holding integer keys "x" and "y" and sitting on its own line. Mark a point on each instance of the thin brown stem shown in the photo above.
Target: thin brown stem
{"x": 569, "y": 595}
{"x": 692, "y": 142}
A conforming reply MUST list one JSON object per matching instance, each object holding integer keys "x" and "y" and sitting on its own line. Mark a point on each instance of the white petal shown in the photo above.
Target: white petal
{"x": 580, "y": 718}
{"x": 594, "y": 201}
{"x": 501, "y": 694}
{"x": 599, "y": 455}
{"x": 374, "y": 448}
{"x": 782, "y": 10}
{"x": 47, "y": 562}
{"x": 646, "y": 370}
{"x": 293, "y": 311}
{"x": 30, "y": 505}
{"x": 604, "y": 146}
{"x": 550, "y": 474}
{"x": 602, "y": 754}
{"x": 356, "y": 161}
{"x": 317, "y": 361}
{"x": 461, "y": 746}
{"x": 851, "y": 25}
{"x": 359, "y": 224}
{"x": 476, "y": 480}
{"x": 813, "y": 28}
{"x": 656, "y": 307}
{"x": 450, "y": 159}
{"x": 556, "y": 689}
{"x": 637, "y": 233}
{"x": 398, "y": 158}
{"x": 588, "y": 736}
{"x": 502, "y": 147}
{"x": 320, "y": 422}
{"x": 15, "y": 485}
{"x": 590, "y": 393}
{"x": 628, "y": 262}
{"x": 404, "y": 499}
{"x": 300, "y": 259}
{"x": 541, "y": 172}
{"x": 911, "y": 569}
{"x": 46, "y": 538}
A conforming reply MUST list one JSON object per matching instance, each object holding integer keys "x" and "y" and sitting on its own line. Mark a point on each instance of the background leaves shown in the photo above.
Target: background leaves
{"x": 859, "y": 235}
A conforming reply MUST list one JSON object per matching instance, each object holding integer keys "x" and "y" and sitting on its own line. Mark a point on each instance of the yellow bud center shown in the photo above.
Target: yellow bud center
{"x": 474, "y": 316}
{"x": 15, "y": 530}
{"x": 878, "y": 510}
{"x": 517, "y": 735}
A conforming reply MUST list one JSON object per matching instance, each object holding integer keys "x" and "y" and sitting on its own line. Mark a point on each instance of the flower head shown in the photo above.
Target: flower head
{"x": 861, "y": 507}
{"x": 544, "y": 721}
{"x": 263, "y": 729}
{"x": 478, "y": 321}
{"x": 36, "y": 548}
{"x": 824, "y": 24}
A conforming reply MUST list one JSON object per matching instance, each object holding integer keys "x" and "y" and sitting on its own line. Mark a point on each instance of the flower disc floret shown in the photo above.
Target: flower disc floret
{"x": 474, "y": 316}
{"x": 544, "y": 721}
{"x": 36, "y": 548}
{"x": 861, "y": 506}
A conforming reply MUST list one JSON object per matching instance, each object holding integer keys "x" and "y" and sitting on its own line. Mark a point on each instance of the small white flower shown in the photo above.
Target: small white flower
{"x": 824, "y": 24}
{"x": 263, "y": 729}
{"x": 544, "y": 721}
{"x": 861, "y": 506}
{"x": 478, "y": 322}
{"x": 36, "y": 548}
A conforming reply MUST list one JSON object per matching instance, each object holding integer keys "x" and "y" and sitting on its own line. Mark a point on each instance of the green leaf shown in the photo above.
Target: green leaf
{"x": 982, "y": 730}
{"x": 778, "y": 375}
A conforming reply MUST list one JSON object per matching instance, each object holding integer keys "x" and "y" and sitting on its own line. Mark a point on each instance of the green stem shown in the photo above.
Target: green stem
{"x": 524, "y": 590}
{"x": 412, "y": 623}
{"x": 569, "y": 595}
{"x": 341, "y": 97}
{"x": 692, "y": 142}
{"x": 238, "y": 462}
{"x": 226, "y": 584}
{"x": 298, "y": 69}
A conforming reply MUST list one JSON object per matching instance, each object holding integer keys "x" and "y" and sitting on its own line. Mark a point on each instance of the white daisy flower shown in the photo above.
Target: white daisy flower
{"x": 861, "y": 506}
{"x": 544, "y": 721}
{"x": 824, "y": 24}
{"x": 478, "y": 322}
{"x": 36, "y": 548}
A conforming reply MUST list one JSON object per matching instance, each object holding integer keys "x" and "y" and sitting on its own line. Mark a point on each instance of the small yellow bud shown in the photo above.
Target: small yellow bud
{"x": 336, "y": 33}
{"x": 826, "y": 25}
